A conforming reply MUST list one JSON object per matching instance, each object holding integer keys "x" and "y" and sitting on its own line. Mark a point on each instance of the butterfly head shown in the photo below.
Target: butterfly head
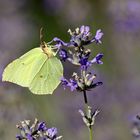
{"x": 47, "y": 49}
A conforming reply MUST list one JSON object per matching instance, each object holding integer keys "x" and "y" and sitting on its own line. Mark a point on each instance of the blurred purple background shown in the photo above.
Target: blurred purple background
{"x": 118, "y": 99}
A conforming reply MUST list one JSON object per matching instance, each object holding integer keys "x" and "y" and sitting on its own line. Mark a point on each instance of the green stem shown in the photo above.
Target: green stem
{"x": 86, "y": 101}
{"x": 83, "y": 75}
{"x": 85, "y": 97}
{"x": 86, "y": 108}
{"x": 90, "y": 133}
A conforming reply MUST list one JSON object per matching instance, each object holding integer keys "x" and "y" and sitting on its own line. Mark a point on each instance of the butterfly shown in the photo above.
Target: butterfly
{"x": 39, "y": 69}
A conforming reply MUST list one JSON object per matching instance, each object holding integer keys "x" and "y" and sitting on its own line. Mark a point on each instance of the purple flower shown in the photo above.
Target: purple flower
{"x": 94, "y": 85}
{"x": 36, "y": 131}
{"x": 74, "y": 41}
{"x": 80, "y": 36}
{"x": 63, "y": 54}
{"x": 83, "y": 36}
{"x": 64, "y": 82}
{"x": 84, "y": 63}
{"x": 42, "y": 126}
{"x": 97, "y": 59}
{"x": 71, "y": 83}
{"x": 19, "y": 137}
{"x": 52, "y": 133}
{"x": 85, "y": 32}
{"x": 79, "y": 55}
{"x": 29, "y": 137}
{"x": 98, "y": 36}
{"x": 89, "y": 84}
{"x": 59, "y": 42}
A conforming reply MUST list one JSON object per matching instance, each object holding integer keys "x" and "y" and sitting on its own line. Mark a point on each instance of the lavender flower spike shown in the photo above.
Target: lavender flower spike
{"x": 36, "y": 131}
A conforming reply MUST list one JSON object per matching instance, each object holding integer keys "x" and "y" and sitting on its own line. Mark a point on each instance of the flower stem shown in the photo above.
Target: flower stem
{"x": 90, "y": 133}
{"x": 85, "y": 100}
{"x": 85, "y": 97}
{"x": 86, "y": 108}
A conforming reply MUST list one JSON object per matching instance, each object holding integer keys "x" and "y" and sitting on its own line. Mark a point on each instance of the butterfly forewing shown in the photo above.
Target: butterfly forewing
{"x": 22, "y": 70}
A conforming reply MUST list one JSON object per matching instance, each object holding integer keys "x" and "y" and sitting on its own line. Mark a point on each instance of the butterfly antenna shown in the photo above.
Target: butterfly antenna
{"x": 42, "y": 43}
{"x": 41, "y": 35}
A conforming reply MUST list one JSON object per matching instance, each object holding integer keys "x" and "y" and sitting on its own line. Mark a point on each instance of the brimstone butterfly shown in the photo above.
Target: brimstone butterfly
{"x": 39, "y": 70}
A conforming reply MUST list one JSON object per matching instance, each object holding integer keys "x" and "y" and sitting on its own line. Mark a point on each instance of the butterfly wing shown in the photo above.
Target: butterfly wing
{"x": 48, "y": 78}
{"x": 22, "y": 70}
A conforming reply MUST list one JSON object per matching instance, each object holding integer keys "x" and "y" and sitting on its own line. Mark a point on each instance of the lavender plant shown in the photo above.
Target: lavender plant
{"x": 77, "y": 53}
{"x": 36, "y": 131}
{"x": 136, "y": 128}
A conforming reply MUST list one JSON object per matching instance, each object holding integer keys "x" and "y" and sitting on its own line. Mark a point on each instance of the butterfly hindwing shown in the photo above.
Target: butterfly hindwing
{"x": 48, "y": 78}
